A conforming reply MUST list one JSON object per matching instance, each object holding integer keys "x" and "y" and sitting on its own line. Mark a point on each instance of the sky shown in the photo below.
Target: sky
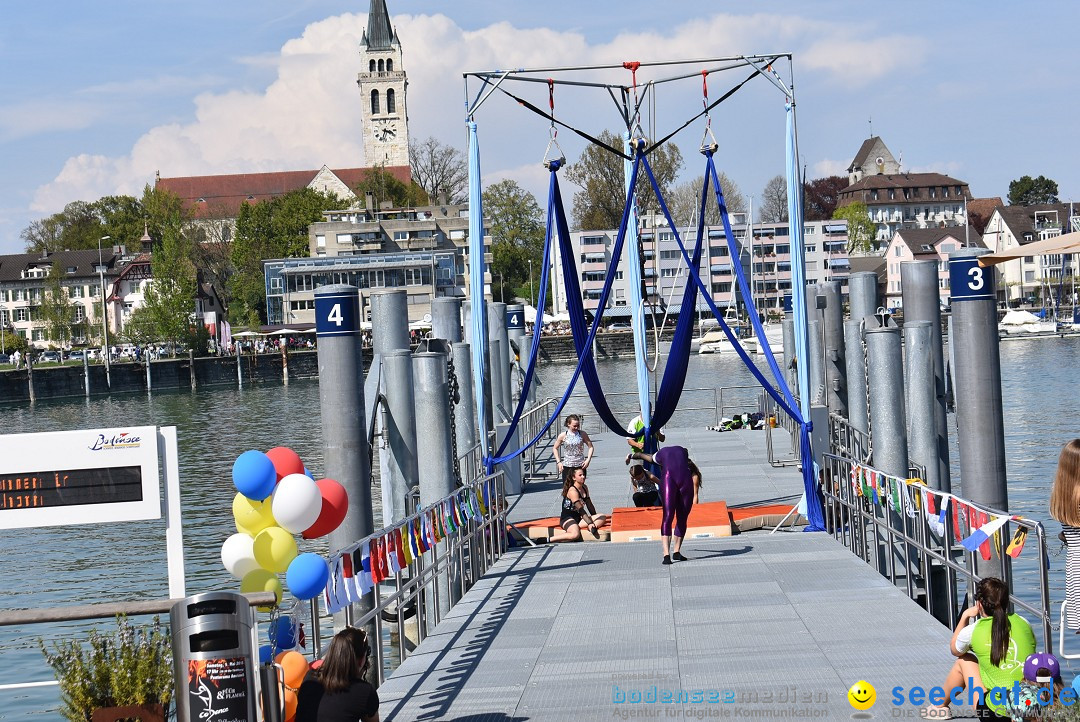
{"x": 95, "y": 98}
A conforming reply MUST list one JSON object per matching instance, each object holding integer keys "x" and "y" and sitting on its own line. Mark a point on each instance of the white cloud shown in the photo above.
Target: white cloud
{"x": 311, "y": 113}
{"x": 827, "y": 167}
{"x": 42, "y": 116}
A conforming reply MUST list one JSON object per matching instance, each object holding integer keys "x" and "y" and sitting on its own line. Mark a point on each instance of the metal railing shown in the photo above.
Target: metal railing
{"x": 772, "y": 410}
{"x": 435, "y": 579}
{"x": 849, "y": 441}
{"x": 529, "y": 426}
{"x": 724, "y": 399}
{"x": 906, "y": 550}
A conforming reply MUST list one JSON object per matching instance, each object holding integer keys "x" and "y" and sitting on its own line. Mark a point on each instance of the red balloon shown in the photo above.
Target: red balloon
{"x": 286, "y": 461}
{"x": 335, "y": 503}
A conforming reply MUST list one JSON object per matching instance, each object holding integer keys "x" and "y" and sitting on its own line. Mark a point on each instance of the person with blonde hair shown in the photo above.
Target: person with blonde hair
{"x": 337, "y": 690}
{"x": 1065, "y": 507}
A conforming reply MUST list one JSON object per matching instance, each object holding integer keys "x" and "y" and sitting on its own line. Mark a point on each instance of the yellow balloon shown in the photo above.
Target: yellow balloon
{"x": 261, "y": 580}
{"x": 274, "y": 548}
{"x": 252, "y": 517}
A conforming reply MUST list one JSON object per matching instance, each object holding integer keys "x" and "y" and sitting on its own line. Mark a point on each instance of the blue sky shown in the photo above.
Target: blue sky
{"x": 96, "y": 97}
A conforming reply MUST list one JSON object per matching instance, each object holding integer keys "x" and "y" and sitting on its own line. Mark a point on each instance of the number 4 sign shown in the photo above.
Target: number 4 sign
{"x": 337, "y": 314}
{"x": 968, "y": 281}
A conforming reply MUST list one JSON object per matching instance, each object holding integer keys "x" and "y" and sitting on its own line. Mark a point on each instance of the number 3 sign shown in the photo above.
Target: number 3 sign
{"x": 968, "y": 281}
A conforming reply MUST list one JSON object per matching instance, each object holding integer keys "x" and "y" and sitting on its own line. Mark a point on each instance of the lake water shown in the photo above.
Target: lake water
{"x": 74, "y": 565}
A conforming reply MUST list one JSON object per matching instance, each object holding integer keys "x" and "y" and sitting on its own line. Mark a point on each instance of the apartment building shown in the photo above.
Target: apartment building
{"x": 923, "y": 244}
{"x": 1022, "y": 279}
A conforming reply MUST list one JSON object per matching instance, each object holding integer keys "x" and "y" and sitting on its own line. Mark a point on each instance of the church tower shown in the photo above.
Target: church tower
{"x": 382, "y": 88}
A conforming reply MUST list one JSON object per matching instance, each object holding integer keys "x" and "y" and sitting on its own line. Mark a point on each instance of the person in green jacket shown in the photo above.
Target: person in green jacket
{"x": 998, "y": 643}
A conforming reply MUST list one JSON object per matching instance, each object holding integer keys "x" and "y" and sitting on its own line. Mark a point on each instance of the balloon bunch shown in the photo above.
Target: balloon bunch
{"x": 278, "y": 499}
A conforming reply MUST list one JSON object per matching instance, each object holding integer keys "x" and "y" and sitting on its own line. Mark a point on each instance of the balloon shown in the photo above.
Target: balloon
{"x": 335, "y": 503}
{"x": 252, "y": 517}
{"x": 297, "y": 503}
{"x": 290, "y": 705}
{"x": 307, "y": 576}
{"x": 294, "y": 666}
{"x": 274, "y": 548}
{"x": 261, "y": 580}
{"x": 266, "y": 654}
{"x": 286, "y": 461}
{"x": 308, "y": 474}
{"x": 285, "y": 633}
{"x": 253, "y": 474}
{"x": 238, "y": 555}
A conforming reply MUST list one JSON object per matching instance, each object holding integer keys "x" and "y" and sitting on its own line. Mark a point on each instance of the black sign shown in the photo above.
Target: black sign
{"x": 74, "y": 487}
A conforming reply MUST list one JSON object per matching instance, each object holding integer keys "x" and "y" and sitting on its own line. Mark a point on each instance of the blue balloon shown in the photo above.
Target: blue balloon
{"x": 1076, "y": 684}
{"x": 285, "y": 633}
{"x": 254, "y": 475}
{"x": 266, "y": 654}
{"x": 307, "y": 575}
{"x": 308, "y": 474}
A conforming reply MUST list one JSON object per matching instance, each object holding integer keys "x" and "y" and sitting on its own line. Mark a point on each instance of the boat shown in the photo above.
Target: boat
{"x": 1024, "y": 324}
{"x": 717, "y": 342}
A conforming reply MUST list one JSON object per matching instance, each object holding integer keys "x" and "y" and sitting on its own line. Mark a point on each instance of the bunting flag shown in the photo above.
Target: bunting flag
{"x": 421, "y": 533}
{"x": 894, "y": 495}
{"x": 957, "y": 531}
{"x": 364, "y": 580}
{"x": 864, "y": 479}
{"x": 414, "y": 545}
{"x": 982, "y": 535}
{"x": 911, "y": 505}
{"x": 455, "y": 510}
{"x": 930, "y": 503}
{"x": 406, "y": 545}
{"x": 480, "y": 501}
{"x": 348, "y": 585}
{"x": 328, "y": 595}
{"x": 399, "y": 550}
{"x": 984, "y": 549}
{"x": 1017, "y": 544}
{"x": 937, "y": 521}
{"x": 393, "y": 566}
{"x": 874, "y": 487}
{"x": 373, "y": 557}
{"x": 918, "y": 497}
{"x": 384, "y": 562}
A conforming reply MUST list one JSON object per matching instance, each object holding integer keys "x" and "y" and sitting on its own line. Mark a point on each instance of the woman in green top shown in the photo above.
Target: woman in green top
{"x": 999, "y": 641}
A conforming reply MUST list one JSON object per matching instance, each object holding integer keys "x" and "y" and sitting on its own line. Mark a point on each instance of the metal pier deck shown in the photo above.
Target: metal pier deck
{"x": 775, "y": 624}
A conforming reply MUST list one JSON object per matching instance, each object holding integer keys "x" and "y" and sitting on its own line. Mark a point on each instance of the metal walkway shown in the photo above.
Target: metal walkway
{"x": 764, "y": 625}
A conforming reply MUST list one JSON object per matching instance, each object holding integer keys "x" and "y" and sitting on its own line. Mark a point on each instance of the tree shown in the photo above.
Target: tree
{"x": 1028, "y": 191}
{"x": 774, "y": 201}
{"x": 516, "y": 224}
{"x": 821, "y": 195}
{"x": 56, "y": 309}
{"x": 274, "y": 228}
{"x": 169, "y": 303}
{"x": 440, "y": 170}
{"x": 860, "y": 229}
{"x": 386, "y": 188}
{"x": 684, "y": 201}
{"x": 599, "y": 173}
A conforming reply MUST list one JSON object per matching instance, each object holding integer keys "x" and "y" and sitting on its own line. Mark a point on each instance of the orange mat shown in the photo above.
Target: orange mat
{"x": 707, "y": 520}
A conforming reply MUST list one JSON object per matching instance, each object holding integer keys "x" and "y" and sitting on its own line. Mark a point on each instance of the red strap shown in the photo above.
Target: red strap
{"x": 551, "y": 96}
{"x": 633, "y": 66}
{"x": 705, "y": 85}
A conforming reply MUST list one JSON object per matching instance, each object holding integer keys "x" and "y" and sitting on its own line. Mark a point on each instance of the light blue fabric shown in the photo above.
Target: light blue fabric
{"x": 478, "y": 309}
{"x": 637, "y": 304}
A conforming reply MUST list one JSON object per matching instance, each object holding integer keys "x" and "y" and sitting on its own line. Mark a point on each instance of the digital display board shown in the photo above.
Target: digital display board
{"x": 79, "y": 477}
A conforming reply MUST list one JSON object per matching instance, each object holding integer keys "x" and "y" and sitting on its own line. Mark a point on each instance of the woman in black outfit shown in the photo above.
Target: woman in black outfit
{"x": 337, "y": 691}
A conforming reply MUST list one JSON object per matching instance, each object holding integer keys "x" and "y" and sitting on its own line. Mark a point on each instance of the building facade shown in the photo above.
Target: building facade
{"x": 421, "y": 250}
{"x": 1029, "y": 279}
{"x": 383, "y": 87}
{"x": 923, "y": 244}
{"x": 873, "y": 158}
{"x": 764, "y": 252}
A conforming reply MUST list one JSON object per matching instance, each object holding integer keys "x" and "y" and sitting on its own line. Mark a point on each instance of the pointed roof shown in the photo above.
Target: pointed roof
{"x": 864, "y": 153}
{"x": 380, "y": 34}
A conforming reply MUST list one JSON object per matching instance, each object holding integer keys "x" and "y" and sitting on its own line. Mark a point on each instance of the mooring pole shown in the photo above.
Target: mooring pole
{"x": 446, "y": 319}
{"x": 835, "y": 366}
{"x": 341, "y": 397}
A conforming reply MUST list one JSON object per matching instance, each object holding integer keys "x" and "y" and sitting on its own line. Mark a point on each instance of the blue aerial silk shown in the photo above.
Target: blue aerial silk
{"x": 478, "y": 310}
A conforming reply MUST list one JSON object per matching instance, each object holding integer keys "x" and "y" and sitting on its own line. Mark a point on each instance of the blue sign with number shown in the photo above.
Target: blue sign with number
{"x": 515, "y": 320}
{"x": 337, "y": 314}
{"x": 968, "y": 281}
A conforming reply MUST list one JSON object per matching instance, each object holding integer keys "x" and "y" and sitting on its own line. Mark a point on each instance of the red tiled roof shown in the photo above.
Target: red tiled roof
{"x": 220, "y": 196}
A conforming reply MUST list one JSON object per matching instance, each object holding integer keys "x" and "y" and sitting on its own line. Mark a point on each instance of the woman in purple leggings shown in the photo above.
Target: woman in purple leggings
{"x": 677, "y": 493}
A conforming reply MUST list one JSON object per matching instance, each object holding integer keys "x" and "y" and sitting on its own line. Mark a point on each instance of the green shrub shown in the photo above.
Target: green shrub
{"x": 132, "y": 666}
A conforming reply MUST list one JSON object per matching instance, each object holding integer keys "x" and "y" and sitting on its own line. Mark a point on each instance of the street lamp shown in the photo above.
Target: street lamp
{"x": 104, "y": 318}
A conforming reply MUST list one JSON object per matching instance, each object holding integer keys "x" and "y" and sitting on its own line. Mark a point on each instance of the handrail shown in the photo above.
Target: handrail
{"x": 718, "y": 406}
{"x": 108, "y": 609}
{"x": 866, "y": 528}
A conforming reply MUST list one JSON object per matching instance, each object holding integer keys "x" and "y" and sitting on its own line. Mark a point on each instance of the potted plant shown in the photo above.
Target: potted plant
{"x": 125, "y": 675}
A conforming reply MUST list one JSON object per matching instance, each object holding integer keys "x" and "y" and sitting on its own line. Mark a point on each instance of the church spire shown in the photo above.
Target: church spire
{"x": 379, "y": 35}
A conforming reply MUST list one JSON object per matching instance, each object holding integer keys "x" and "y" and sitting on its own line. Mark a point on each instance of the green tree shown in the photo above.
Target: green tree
{"x": 57, "y": 311}
{"x": 599, "y": 173}
{"x": 275, "y": 228}
{"x": 385, "y": 187}
{"x": 774, "y": 207}
{"x": 1028, "y": 191}
{"x": 861, "y": 230}
{"x": 684, "y": 201}
{"x": 169, "y": 301}
{"x": 516, "y": 224}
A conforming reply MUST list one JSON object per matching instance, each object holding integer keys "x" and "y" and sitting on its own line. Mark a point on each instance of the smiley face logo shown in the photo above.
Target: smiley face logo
{"x": 862, "y": 695}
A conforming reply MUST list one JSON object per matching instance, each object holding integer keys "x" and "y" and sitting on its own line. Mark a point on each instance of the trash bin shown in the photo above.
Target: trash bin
{"x": 213, "y": 658}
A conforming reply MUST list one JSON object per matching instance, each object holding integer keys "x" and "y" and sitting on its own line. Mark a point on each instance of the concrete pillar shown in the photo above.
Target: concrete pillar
{"x": 886, "y": 390}
{"x": 436, "y": 474}
{"x": 341, "y": 399}
{"x": 980, "y": 426}
{"x": 922, "y": 302}
{"x": 863, "y": 296}
{"x": 401, "y": 467}
{"x": 835, "y": 367}
{"x": 389, "y": 321}
{"x": 446, "y": 319}
{"x": 855, "y": 360}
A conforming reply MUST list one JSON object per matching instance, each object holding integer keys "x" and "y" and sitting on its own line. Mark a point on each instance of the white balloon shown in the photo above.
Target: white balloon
{"x": 238, "y": 555}
{"x": 297, "y": 503}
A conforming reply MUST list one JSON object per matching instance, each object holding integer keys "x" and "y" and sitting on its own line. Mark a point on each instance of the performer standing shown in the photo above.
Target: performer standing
{"x": 676, "y": 493}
